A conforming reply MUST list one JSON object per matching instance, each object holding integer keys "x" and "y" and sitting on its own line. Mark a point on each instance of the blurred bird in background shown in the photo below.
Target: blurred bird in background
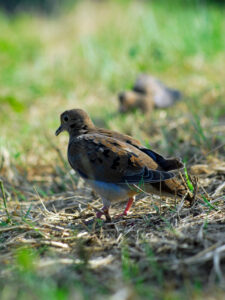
{"x": 147, "y": 93}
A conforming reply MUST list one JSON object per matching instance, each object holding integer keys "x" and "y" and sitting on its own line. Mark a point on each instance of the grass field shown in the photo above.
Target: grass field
{"x": 83, "y": 58}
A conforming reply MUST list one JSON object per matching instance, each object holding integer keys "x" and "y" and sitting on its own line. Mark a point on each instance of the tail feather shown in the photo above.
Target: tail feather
{"x": 176, "y": 95}
{"x": 166, "y": 164}
{"x": 172, "y": 164}
{"x": 172, "y": 188}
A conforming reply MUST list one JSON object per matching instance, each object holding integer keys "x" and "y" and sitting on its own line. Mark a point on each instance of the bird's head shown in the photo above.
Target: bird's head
{"x": 75, "y": 121}
{"x": 129, "y": 101}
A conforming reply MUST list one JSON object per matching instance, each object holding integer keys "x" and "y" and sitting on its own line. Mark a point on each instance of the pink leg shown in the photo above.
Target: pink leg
{"x": 104, "y": 211}
{"x": 127, "y": 208}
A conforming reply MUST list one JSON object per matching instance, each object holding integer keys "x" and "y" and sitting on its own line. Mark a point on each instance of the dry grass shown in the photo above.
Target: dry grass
{"x": 159, "y": 250}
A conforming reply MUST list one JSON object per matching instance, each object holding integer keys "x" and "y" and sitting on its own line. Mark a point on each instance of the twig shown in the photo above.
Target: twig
{"x": 207, "y": 153}
{"x": 216, "y": 262}
{"x": 4, "y": 229}
{"x": 219, "y": 189}
{"x": 4, "y": 200}
{"x": 45, "y": 209}
{"x": 204, "y": 255}
{"x": 194, "y": 182}
{"x": 180, "y": 205}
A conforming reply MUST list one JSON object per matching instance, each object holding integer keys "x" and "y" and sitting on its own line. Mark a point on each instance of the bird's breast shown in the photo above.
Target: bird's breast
{"x": 111, "y": 191}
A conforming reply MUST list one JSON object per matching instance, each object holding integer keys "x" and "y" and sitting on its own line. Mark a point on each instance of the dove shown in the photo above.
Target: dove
{"x": 115, "y": 165}
{"x": 147, "y": 93}
{"x": 131, "y": 100}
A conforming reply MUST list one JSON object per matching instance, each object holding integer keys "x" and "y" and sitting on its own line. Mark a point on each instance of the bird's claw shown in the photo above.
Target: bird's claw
{"x": 104, "y": 211}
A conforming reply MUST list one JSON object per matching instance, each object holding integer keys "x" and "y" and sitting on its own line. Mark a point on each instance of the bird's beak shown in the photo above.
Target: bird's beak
{"x": 59, "y": 130}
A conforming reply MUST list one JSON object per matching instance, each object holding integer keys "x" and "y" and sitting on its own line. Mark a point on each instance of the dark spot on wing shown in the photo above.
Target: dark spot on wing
{"x": 134, "y": 154}
{"x": 100, "y": 160}
{"x": 106, "y": 152}
{"x": 84, "y": 127}
{"x": 116, "y": 163}
{"x": 91, "y": 157}
{"x": 139, "y": 90}
{"x": 115, "y": 144}
{"x": 130, "y": 163}
{"x": 99, "y": 146}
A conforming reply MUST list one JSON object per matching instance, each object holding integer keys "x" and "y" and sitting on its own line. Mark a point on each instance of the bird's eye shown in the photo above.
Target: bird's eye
{"x": 65, "y": 119}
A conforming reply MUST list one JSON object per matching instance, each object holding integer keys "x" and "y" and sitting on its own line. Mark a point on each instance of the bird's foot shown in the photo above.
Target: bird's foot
{"x": 104, "y": 211}
{"x": 121, "y": 215}
{"x": 128, "y": 206}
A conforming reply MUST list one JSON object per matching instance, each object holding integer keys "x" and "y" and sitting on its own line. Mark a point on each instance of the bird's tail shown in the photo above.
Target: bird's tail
{"x": 172, "y": 188}
{"x": 176, "y": 95}
{"x": 167, "y": 164}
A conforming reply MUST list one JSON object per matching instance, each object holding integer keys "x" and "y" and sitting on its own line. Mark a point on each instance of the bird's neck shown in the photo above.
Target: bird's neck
{"x": 84, "y": 129}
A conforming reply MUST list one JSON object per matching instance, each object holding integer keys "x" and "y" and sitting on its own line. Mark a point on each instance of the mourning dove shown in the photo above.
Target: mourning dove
{"x": 116, "y": 165}
{"x": 148, "y": 92}
{"x": 131, "y": 100}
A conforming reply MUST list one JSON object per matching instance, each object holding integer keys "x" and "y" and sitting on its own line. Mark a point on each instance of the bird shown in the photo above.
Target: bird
{"x": 115, "y": 165}
{"x": 148, "y": 92}
{"x": 131, "y": 100}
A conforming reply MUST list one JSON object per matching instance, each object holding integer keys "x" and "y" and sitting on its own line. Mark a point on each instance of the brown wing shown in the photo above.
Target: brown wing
{"x": 145, "y": 84}
{"x": 106, "y": 159}
{"x": 166, "y": 164}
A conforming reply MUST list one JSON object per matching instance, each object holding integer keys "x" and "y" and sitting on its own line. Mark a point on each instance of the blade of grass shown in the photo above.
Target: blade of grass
{"x": 190, "y": 185}
{"x": 4, "y": 201}
{"x": 208, "y": 203}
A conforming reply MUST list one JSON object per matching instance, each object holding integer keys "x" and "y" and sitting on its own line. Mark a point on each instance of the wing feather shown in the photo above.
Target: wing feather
{"x": 107, "y": 159}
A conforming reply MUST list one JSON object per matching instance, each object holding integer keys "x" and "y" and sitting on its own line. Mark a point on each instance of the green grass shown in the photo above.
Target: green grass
{"x": 75, "y": 61}
{"x": 83, "y": 59}
{"x": 73, "y": 57}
